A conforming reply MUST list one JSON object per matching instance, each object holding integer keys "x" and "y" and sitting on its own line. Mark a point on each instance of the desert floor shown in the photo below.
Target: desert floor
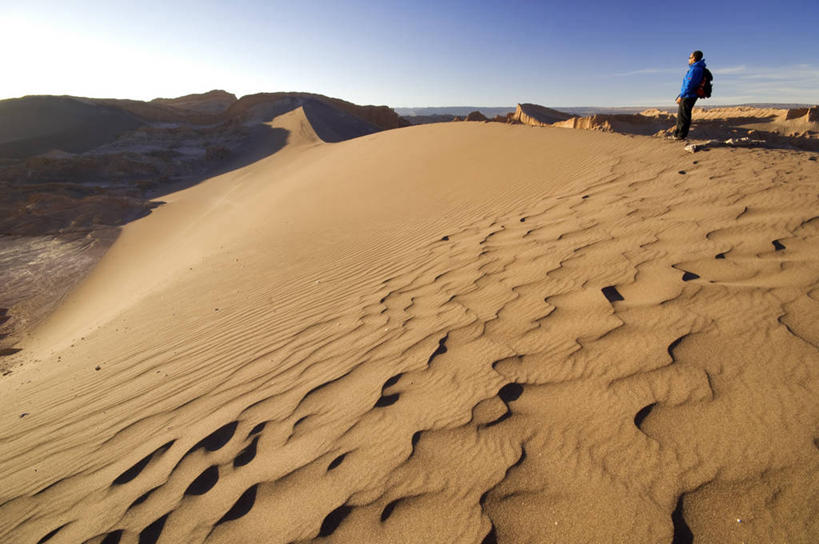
{"x": 458, "y": 332}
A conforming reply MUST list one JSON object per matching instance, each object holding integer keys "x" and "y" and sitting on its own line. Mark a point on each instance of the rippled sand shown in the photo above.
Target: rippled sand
{"x": 445, "y": 333}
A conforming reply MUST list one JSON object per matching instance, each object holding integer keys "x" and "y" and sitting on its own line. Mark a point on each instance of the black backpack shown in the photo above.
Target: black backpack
{"x": 705, "y": 87}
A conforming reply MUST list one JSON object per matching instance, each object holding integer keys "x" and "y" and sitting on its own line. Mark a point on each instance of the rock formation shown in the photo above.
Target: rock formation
{"x": 508, "y": 118}
{"x": 37, "y": 124}
{"x": 810, "y": 115}
{"x": 382, "y": 117}
{"x": 105, "y": 158}
{"x": 216, "y": 101}
{"x": 537, "y": 116}
{"x": 802, "y": 122}
{"x": 476, "y": 116}
{"x": 73, "y": 169}
{"x": 427, "y": 119}
{"x": 624, "y": 123}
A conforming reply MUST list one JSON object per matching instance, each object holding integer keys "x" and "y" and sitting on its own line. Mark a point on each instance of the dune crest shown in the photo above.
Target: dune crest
{"x": 73, "y": 170}
{"x": 300, "y": 130}
{"x": 179, "y": 240}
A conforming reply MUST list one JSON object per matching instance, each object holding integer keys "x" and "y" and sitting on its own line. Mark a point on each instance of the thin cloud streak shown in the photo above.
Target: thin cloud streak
{"x": 731, "y": 70}
{"x": 806, "y": 74}
{"x": 681, "y": 70}
{"x": 797, "y": 83}
{"x": 760, "y": 72}
{"x": 647, "y": 71}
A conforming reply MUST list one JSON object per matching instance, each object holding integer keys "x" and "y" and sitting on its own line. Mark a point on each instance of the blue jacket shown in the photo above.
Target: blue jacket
{"x": 692, "y": 79}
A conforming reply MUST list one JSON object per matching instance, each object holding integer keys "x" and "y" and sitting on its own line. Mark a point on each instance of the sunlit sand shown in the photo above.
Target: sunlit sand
{"x": 456, "y": 332}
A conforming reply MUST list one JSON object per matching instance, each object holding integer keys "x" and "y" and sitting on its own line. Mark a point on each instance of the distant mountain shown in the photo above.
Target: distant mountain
{"x": 75, "y": 164}
{"x": 493, "y": 111}
{"x": 33, "y": 125}
{"x": 593, "y": 110}
{"x": 764, "y": 105}
{"x": 456, "y": 111}
{"x": 435, "y": 118}
{"x": 215, "y": 101}
{"x": 461, "y": 111}
{"x": 582, "y": 111}
{"x": 37, "y": 124}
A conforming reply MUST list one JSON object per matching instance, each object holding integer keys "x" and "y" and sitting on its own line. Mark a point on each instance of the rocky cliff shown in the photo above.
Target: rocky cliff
{"x": 647, "y": 124}
{"x": 73, "y": 169}
{"x": 57, "y": 148}
{"x": 212, "y": 102}
{"x": 537, "y": 116}
{"x": 382, "y": 117}
{"x": 804, "y": 114}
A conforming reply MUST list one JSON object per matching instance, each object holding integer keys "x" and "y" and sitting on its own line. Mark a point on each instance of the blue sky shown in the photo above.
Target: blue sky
{"x": 419, "y": 53}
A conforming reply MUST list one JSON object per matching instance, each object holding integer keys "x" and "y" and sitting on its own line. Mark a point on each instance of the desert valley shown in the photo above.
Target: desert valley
{"x": 290, "y": 318}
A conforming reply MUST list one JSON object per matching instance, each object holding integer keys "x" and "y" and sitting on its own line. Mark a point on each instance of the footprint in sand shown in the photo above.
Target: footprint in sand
{"x": 241, "y": 507}
{"x": 334, "y": 519}
{"x": 204, "y": 482}
{"x": 135, "y": 470}
{"x": 150, "y": 534}
{"x": 388, "y": 400}
{"x": 611, "y": 294}
{"x": 336, "y": 462}
{"x": 247, "y": 454}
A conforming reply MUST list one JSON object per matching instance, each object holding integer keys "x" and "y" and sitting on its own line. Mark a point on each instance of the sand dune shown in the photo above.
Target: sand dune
{"x": 34, "y": 125}
{"x": 381, "y": 117}
{"x": 462, "y": 332}
{"x": 72, "y": 170}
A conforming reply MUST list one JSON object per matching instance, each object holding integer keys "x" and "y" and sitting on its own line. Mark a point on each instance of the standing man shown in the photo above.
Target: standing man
{"x": 688, "y": 94}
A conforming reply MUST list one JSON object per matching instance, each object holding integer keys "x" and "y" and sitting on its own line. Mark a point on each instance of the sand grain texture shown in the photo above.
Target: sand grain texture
{"x": 445, "y": 333}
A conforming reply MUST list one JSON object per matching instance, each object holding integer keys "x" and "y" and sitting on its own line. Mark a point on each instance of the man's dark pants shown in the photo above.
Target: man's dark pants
{"x": 684, "y": 117}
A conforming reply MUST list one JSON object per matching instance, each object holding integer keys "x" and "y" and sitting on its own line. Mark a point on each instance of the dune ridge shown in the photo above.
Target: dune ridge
{"x": 73, "y": 170}
{"x": 38, "y": 124}
{"x": 465, "y": 332}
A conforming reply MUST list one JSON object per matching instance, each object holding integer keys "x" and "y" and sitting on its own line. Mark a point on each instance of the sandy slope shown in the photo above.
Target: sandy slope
{"x": 445, "y": 333}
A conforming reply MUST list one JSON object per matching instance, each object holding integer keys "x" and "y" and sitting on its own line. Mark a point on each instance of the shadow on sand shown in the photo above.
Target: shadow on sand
{"x": 70, "y": 239}
{"x": 261, "y": 142}
{"x": 755, "y": 130}
{"x": 28, "y": 294}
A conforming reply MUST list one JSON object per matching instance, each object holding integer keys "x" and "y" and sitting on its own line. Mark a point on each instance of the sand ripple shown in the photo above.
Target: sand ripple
{"x": 624, "y": 354}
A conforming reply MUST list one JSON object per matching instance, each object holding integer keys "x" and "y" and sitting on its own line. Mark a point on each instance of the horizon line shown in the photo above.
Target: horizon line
{"x": 477, "y": 108}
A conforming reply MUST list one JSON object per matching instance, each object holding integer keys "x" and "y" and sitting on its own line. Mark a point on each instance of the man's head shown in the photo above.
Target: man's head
{"x": 694, "y": 57}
